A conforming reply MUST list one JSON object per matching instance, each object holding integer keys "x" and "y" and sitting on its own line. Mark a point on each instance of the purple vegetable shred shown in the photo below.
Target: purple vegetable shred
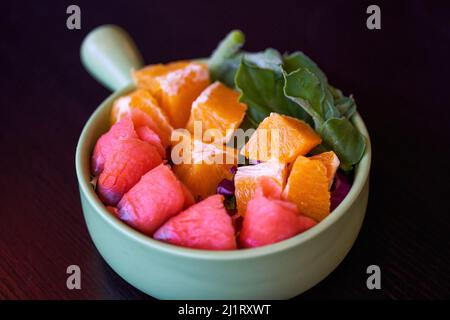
{"x": 226, "y": 187}
{"x": 342, "y": 186}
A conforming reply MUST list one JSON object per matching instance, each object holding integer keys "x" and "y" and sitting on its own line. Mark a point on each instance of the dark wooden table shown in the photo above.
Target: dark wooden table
{"x": 399, "y": 76}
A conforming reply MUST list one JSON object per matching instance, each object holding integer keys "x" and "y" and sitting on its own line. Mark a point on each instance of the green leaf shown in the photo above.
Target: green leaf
{"x": 262, "y": 90}
{"x": 293, "y": 85}
{"x": 346, "y": 106}
{"x": 268, "y": 59}
{"x": 337, "y": 94}
{"x": 307, "y": 90}
{"x": 297, "y": 60}
{"x": 342, "y": 137}
{"x": 226, "y": 58}
{"x": 304, "y": 88}
{"x": 228, "y": 71}
{"x": 307, "y": 85}
{"x": 332, "y": 96}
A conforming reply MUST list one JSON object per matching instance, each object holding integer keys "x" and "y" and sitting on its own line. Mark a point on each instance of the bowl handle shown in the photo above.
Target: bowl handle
{"x": 109, "y": 55}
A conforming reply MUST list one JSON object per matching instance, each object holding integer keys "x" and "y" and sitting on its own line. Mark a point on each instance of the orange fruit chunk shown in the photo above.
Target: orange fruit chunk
{"x": 247, "y": 178}
{"x": 281, "y": 138}
{"x": 307, "y": 187}
{"x": 202, "y": 166}
{"x": 331, "y": 162}
{"x": 217, "y": 107}
{"x": 144, "y": 111}
{"x": 175, "y": 86}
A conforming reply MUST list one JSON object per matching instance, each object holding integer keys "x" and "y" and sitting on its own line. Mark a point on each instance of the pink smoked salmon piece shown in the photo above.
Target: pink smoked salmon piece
{"x": 188, "y": 197}
{"x": 112, "y": 210}
{"x": 129, "y": 160}
{"x": 147, "y": 134}
{"x": 141, "y": 119}
{"x": 269, "y": 219}
{"x": 123, "y": 129}
{"x": 205, "y": 225}
{"x": 158, "y": 196}
{"x": 144, "y": 111}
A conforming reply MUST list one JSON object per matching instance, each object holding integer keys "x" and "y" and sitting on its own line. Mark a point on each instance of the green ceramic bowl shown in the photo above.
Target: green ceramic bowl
{"x": 277, "y": 271}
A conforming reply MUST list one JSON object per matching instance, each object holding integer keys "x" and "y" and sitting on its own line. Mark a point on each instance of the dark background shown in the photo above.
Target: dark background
{"x": 399, "y": 76}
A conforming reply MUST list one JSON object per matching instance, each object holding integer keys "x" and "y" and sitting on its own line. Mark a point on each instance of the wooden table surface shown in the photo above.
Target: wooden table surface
{"x": 399, "y": 76}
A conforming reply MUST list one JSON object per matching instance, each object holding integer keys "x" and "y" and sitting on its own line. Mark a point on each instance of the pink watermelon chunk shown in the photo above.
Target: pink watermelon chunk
{"x": 205, "y": 225}
{"x": 269, "y": 219}
{"x": 128, "y": 161}
{"x": 105, "y": 145}
{"x": 158, "y": 196}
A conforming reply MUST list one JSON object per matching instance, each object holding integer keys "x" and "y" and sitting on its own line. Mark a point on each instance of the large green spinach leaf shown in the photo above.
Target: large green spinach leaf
{"x": 262, "y": 90}
{"x": 336, "y": 104}
{"x": 313, "y": 95}
{"x": 342, "y": 137}
{"x": 294, "y": 85}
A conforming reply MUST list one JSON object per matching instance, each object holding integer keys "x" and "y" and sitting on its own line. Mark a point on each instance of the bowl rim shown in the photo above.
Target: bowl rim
{"x": 82, "y": 171}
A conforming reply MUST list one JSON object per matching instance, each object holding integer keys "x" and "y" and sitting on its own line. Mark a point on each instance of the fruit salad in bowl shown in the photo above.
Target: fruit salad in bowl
{"x": 230, "y": 162}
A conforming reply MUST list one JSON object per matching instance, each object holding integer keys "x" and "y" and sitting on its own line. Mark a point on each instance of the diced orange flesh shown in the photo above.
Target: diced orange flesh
{"x": 144, "y": 111}
{"x": 331, "y": 162}
{"x": 217, "y": 108}
{"x": 247, "y": 178}
{"x": 307, "y": 187}
{"x": 204, "y": 166}
{"x": 281, "y": 138}
{"x": 175, "y": 86}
